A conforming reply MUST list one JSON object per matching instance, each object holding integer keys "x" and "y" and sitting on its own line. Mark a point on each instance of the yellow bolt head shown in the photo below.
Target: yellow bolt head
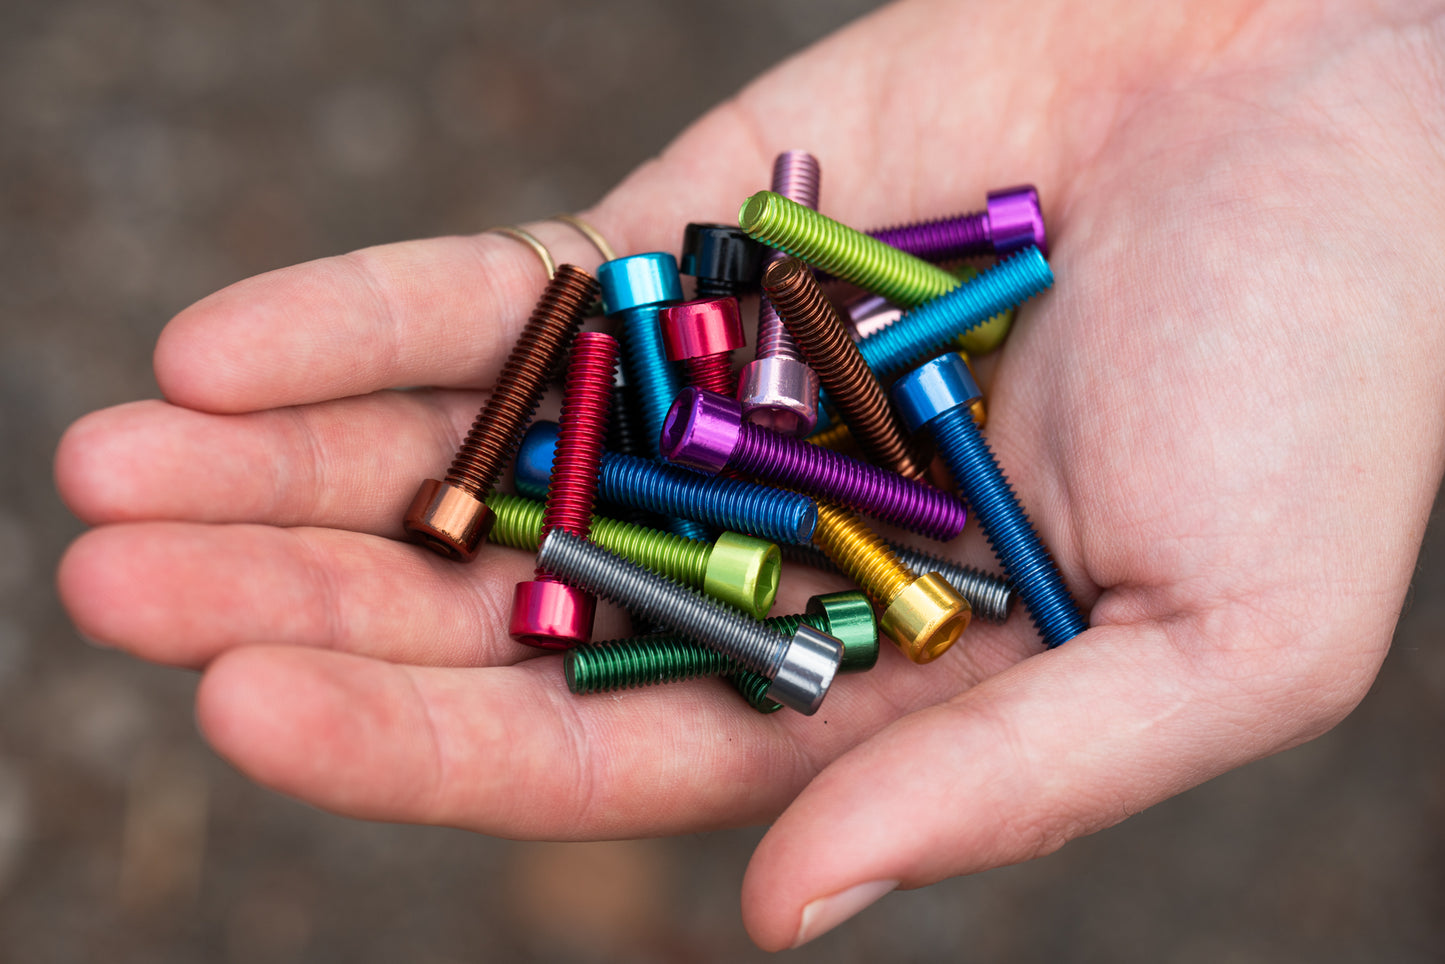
{"x": 926, "y": 618}
{"x": 743, "y": 572}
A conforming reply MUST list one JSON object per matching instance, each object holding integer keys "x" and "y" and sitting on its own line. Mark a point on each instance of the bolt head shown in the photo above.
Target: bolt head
{"x": 850, "y": 620}
{"x": 809, "y": 664}
{"x": 532, "y": 472}
{"x": 701, "y": 430}
{"x": 551, "y": 615}
{"x": 926, "y": 618}
{"x": 743, "y": 571}
{"x": 780, "y": 394}
{"x": 1015, "y": 220}
{"x": 720, "y": 251}
{"x": 448, "y": 520}
{"x": 708, "y": 326}
{"x": 933, "y": 388}
{"x": 638, "y": 280}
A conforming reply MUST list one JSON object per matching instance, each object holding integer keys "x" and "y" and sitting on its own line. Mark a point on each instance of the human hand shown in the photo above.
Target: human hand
{"x": 1224, "y": 421}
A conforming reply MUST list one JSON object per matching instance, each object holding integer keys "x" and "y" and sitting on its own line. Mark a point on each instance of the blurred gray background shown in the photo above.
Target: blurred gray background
{"x": 153, "y": 151}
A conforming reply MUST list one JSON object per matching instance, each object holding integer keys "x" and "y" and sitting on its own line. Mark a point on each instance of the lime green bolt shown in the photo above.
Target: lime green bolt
{"x": 739, "y": 570}
{"x": 622, "y": 663}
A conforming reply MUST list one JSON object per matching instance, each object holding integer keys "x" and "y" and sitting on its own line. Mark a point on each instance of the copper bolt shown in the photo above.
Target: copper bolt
{"x": 823, "y": 337}
{"x": 450, "y": 517}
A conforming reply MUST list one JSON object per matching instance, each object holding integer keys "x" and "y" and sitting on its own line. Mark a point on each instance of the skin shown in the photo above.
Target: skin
{"x": 1225, "y": 421}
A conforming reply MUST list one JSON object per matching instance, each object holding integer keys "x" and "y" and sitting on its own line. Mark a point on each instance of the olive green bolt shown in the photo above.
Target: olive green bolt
{"x": 739, "y": 570}
{"x": 664, "y": 658}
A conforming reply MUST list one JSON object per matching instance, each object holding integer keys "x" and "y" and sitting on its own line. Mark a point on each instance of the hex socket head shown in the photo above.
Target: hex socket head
{"x": 809, "y": 664}
{"x": 1015, "y": 220}
{"x": 448, "y": 520}
{"x": 780, "y": 394}
{"x": 696, "y": 329}
{"x": 701, "y": 430}
{"x": 720, "y": 251}
{"x": 638, "y": 280}
{"x": 933, "y": 388}
{"x": 926, "y": 618}
{"x": 743, "y": 572}
{"x": 551, "y": 615}
{"x": 849, "y": 619}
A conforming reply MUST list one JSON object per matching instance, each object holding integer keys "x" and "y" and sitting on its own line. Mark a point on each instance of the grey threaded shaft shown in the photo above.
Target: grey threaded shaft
{"x": 593, "y": 569}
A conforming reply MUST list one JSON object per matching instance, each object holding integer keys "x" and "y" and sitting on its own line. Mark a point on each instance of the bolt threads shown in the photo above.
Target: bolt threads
{"x": 593, "y": 569}
{"x": 572, "y": 489}
{"x": 941, "y": 239}
{"x": 498, "y": 428}
{"x": 644, "y": 359}
{"x": 842, "y": 251}
{"x": 754, "y": 689}
{"x": 929, "y": 326}
{"x": 860, "y": 554}
{"x": 991, "y": 597}
{"x": 712, "y": 372}
{"x": 823, "y": 338}
{"x": 718, "y": 287}
{"x": 622, "y": 421}
{"x": 796, "y": 176}
{"x": 1006, "y": 526}
{"x": 795, "y": 464}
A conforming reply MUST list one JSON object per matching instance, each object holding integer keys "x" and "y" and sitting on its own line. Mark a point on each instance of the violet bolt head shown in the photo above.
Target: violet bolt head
{"x": 701, "y": 430}
{"x": 1015, "y": 220}
{"x": 707, "y": 326}
{"x": 781, "y": 394}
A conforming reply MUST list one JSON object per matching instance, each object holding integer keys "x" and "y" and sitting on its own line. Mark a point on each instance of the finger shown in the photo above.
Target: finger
{"x": 1060, "y": 745}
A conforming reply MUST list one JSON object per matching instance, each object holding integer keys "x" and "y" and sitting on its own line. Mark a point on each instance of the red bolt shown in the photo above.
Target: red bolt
{"x": 702, "y": 335}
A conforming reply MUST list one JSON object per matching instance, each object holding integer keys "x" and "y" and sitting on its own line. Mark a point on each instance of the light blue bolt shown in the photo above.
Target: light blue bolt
{"x": 938, "y": 394}
{"x": 635, "y": 289}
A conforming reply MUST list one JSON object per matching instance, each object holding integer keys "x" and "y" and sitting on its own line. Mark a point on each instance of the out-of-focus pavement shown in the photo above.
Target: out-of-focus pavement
{"x": 151, "y": 152}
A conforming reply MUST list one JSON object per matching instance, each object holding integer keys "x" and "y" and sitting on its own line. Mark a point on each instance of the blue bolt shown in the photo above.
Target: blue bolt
{"x": 635, "y": 289}
{"x": 937, "y": 394}
{"x": 760, "y": 510}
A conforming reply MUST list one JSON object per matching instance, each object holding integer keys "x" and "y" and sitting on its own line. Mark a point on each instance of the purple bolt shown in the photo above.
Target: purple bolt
{"x": 706, "y": 431}
{"x": 1012, "y": 220}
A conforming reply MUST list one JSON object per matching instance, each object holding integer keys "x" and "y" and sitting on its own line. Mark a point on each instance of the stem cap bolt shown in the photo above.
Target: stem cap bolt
{"x": 808, "y": 666}
{"x": 781, "y": 394}
{"x": 701, "y": 430}
{"x": 1015, "y": 220}
{"x": 638, "y": 280}
{"x": 926, "y": 618}
{"x": 696, "y": 329}
{"x": 849, "y": 619}
{"x": 931, "y": 389}
{"x": 551, "y": 615}
{"x": 448, "y": 520}
{"x": 743, "y": 571}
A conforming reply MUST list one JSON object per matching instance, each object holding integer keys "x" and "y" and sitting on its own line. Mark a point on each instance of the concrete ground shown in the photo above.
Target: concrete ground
{"x": 151, "y": 152}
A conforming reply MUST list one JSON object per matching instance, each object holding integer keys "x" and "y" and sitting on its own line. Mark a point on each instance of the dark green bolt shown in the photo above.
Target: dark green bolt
{"x": 665, "y": 658}
{"x": 739, "y": 570}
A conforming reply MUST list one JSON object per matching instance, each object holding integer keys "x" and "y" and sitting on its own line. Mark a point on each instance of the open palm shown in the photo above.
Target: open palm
{"x": 1224, "y": 420}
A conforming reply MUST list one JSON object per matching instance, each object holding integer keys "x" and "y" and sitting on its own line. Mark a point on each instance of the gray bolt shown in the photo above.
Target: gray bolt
{"x": 801, "y": 667}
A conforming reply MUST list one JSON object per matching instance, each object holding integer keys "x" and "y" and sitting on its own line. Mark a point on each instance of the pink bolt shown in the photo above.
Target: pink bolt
{"x": 702, "y": 335}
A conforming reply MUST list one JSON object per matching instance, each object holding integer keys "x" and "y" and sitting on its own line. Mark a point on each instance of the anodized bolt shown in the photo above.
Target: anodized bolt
{"x": 842, "y": 251}
{"x": 801, "y": 668}
{"x": 932, "y": 324}
{"x": 546, "y": 613}
{"x": 634, "y": 291}
{"x": 706, "y": 431}
{"x": 1010, "y": 220}
{"x": 722, "y": 258}
{"x": 923, "y": 614}
{"x": 760, "y": 510}
{"x": 737, "y": 569}
{"x": 702, "y": 334}
{"x": 823, "y": 337}
{"x": 450, "y": 517}
{"x": 778, "y": 390}
{"x": 937, "y": 394}
{"x": 666, "y": 657}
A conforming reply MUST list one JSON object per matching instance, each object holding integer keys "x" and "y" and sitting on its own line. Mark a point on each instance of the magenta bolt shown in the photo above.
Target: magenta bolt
{"x": 706, "y": 431}
{"x": 778, "y": 389}
{"x": 1012, "y": 220}
{"x": 702, "y": 335}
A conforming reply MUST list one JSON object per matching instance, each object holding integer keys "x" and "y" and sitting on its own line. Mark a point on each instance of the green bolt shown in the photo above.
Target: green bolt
{"x": 664, "y": 658}
{"x": 739, "y": 570}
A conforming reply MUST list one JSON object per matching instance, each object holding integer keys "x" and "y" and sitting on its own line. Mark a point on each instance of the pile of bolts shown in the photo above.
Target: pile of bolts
{"x": 716, "y": 471}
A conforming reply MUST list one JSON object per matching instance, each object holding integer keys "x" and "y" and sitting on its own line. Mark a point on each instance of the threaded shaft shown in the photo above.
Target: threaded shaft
{"x": 718, "y": 287}
{"x": 1006, "y": 526}
{"x": 589, "y": 567}
{"x": 519, "y": 526}
{"x": 941, "y": 239}
{"x": 623, "y": 428}
{"x": 754, "y": 689}
{"x": 796, "y": 176}
{"x": 930, "y": 326}
{"x": 842, "y": 251}
{"x": 860, "y": 554}
{"x": 499, "y": 426}
{"x": 572, "y": 490}
{"x": 823, "y": 338}
{"x": 794, "y": 464}
{"x": 712, "y": 372}
{"x": 644, "y": 359}
{"x": 661, "y": 658}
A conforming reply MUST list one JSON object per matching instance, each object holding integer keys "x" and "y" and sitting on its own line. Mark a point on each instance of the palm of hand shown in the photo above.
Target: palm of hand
{"x": 1175, "y": 416}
